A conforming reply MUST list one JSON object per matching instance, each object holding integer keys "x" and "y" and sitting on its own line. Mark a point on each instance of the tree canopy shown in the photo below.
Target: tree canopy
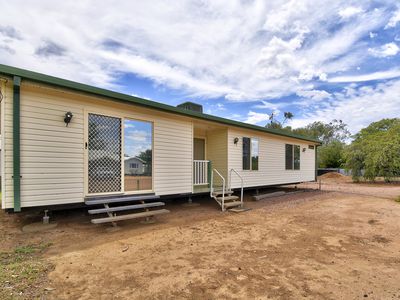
{"x": 333, "y": 136}
{"x": 376, "y": 151}
{"x": 326, "y": 132}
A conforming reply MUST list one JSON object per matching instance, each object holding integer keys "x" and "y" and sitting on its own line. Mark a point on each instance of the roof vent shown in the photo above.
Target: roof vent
{"x": 191, "y": 106}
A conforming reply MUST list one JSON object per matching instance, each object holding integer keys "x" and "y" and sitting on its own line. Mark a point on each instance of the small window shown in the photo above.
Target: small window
{"x": 296, "y": 162}
{"x": 134, "y": 166}
{"x": 292, "y": 157}
{"x": 250, "y": 154}
{"x": 254, "y": 154}
{"x": 246, "y": 153}
{"x": 289, "y": 157}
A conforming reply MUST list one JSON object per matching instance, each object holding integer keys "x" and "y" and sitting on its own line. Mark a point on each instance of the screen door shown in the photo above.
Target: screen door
{"x": 104, "y": 154}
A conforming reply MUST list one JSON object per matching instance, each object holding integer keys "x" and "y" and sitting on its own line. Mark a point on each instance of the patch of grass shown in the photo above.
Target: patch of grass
{"x": 397, "y": 199}
{"x": 23, "y": 272}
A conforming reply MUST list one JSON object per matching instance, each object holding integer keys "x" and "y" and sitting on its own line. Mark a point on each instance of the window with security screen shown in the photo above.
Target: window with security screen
{"x": 119, "y": 154}
{"x": 104, "y": 154}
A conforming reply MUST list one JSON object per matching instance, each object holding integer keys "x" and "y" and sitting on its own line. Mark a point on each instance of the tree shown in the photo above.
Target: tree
{"x": 287, "y": 116}
{"x": 331, "y": 155}
{"x": 333, "y": 136}
{"x": 326, "y": 132}
{"x": 275, "y": 124}
{"x": 376, "y": 151}
{"x": 146, "y": 156}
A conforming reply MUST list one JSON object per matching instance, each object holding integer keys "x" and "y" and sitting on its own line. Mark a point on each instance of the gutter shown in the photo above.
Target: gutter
{"x": 16, "y": 143}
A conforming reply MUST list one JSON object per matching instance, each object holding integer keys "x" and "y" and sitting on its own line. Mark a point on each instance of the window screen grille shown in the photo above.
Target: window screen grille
{"x": 104, "y": 151}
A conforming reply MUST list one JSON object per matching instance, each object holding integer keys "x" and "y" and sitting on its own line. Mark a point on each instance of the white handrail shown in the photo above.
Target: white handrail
{"x": 200, "y": 172}
{"x": 223, "y": 187}
{"x": 241, "y": 188}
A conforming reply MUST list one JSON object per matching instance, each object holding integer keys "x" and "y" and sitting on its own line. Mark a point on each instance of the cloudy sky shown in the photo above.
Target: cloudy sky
{"x": 241, "y": 59}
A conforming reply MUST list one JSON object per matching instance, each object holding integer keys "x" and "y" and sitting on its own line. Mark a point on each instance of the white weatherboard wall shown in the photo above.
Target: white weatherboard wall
{"x": 52, "y": 155}
{"x": 271, "y": 160}
{"x": 217, "y": 151}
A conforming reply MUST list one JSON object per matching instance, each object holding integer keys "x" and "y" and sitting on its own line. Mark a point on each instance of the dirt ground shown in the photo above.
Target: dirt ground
{"x": 314, "y": 244}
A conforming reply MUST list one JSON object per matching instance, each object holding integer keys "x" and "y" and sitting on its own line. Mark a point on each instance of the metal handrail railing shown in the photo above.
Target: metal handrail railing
{"x": 223, "y": 187}
{"x": 241, "y": 180}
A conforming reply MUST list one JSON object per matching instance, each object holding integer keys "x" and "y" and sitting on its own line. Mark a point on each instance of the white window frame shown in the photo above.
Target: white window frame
{"x": 123, "y": 117}
{"x": 251, "y": 154}
{"x": 293, "y": 147}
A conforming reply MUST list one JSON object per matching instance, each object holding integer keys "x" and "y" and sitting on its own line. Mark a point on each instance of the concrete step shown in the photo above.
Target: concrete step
{"x": 130, "y": 216}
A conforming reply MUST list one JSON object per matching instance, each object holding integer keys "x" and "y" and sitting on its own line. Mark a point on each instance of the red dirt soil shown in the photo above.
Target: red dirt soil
{"x": 319, "y": 245}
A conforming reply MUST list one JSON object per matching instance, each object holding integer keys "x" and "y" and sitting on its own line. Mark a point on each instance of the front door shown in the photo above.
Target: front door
{"x": 104, "y": 154}
{"x": 199, "y": 149}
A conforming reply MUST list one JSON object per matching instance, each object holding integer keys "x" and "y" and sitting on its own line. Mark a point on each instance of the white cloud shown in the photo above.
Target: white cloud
{"x": 128, "y": 125}
{"x": 220, "y": 106}
{"x": 257, "y": 118}
{"x": 140, "y": 136}
{"x": 367, "y": 77}
{"x": 316, "y": 95}
{"x": 350, "y": 11}
{"x": 373, "y": 35}
{"x": 389, "y": 49}
{"x": 393, "y": 20}
{"x": 240, "y": 50}
{"x": 358, "y": 106}
{"x": 212, "y": 108}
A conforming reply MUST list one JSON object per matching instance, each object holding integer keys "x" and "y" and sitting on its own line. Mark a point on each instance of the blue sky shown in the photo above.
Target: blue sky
{"x": 138, "y": 137}
{"x": 241, "y": 60}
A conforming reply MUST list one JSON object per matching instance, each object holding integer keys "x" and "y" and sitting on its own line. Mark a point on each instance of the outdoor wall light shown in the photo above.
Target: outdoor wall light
{"x": 235, "y": 140}
{"x": 304, "y": 149}
{"x": 67, "y": 118}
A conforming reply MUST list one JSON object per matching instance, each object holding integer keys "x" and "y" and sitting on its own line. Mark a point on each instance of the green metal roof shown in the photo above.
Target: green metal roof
{"x": 42, "y": 78}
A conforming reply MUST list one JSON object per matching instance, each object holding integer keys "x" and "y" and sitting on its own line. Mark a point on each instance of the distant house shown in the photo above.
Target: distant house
{"x": 134, "y": 166}
{"x": 64, "y": 142}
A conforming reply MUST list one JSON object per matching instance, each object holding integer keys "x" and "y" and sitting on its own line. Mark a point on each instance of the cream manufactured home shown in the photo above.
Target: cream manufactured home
{"x": 65, "y": 143}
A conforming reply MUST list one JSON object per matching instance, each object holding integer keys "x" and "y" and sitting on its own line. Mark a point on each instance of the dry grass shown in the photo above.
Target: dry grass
{"x": 23, "y": 272}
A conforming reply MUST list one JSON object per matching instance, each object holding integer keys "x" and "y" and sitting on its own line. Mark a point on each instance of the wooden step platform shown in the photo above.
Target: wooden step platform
{"x": 228, "y": 198}
{"x": 218, "y": 193}
{"x": 232, "y": 204}
{"x": 130, "y": 216}
{"x": 125, "y": 207}
{"x": 119, "y": 199}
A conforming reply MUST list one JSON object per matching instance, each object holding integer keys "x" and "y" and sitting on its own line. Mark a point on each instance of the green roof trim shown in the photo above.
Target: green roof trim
{"x": 42, "y": 78}
{"x": 16, "y": 143}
